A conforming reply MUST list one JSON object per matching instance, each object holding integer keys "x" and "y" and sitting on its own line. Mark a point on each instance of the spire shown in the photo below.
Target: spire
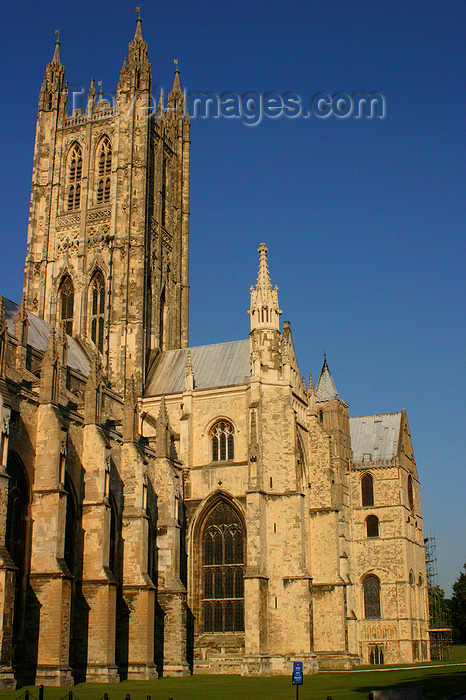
{"x": 56, "y": 54}
{"x": 138, "y": 32}
{"x": 176, "y": 83}
{"x": 264, "y": 309}
{"x": 326, "y": 389}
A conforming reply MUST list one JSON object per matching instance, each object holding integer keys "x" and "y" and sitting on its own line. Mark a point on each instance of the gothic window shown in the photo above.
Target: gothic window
{"x": 75, "y": 171}
{"x": 410, "y": 493}
{"x": 367, "y": 490}
{"x": 104, "y": 159}
{"x": 371, "y": 597}
{"x": 222, "y": 571}
{"x": 97, "y": 306}
{"x": 15, "y": 536}
{"x": 372, "y": 526}
{"x": 70, "y": 525}
{"x": 66, "y": 303}
{"x": 223, "y": 443}
{"x": 376, "y": 655}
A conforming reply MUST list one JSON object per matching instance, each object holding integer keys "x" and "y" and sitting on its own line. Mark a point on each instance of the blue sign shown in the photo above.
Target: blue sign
{"x": 297, "y": 672}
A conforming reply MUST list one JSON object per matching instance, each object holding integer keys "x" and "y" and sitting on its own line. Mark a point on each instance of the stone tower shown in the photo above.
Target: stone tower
{"x": 107, "y": 252}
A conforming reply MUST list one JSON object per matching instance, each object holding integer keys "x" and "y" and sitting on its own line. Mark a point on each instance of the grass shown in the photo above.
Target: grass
{"x": 438, "y": 683}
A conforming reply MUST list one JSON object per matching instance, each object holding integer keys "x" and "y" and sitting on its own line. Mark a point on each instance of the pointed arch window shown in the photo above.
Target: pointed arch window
{"x": 104, "y": 160}
{"x": 97, "y": 307}
{"x": 66, "y": 303}
{"x": 372, "y": 526}
{"x": 16, "y": 533}
{"x": 371, "y": 597}
{"x": 367, "y": 490}
{"x": 223, "y": 441}
{"x": 75, "y": 171}
{"x": 410, "y": 493}
{"x": 222, "y": 571}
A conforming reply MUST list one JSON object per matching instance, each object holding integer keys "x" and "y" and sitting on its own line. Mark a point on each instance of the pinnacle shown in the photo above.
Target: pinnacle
{"x": 176, "y": 83}
{"x": 263, "y": 278}
{"x": 138, "y": 32}
{"x": 56, "y": 54}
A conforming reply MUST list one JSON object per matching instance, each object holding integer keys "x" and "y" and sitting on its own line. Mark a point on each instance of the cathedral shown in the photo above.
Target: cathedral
{"x": 168, "y": 509}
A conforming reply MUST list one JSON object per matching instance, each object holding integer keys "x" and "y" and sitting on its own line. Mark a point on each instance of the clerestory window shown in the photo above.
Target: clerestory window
{"x": 372, "y": 526}
{"x": 66, "y": 303}
{"x": 223, "y": 442}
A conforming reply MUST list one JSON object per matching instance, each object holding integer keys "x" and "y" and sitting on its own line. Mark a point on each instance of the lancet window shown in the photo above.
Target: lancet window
{"x": 222, "y": 571}
{"x": 410, "y": 493}
{"x": 66, "y": 303}
{"x": 75, "y": 171}
{"x": 367, "y": 490}
{"x": 371, "y": 596}
{"x": 97, "y": 308}
{"x": 223, "y": 441}
{"x": 104, "y": 162}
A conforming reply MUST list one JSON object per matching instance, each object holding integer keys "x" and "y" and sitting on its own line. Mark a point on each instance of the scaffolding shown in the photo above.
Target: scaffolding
{"x": 440, "y": 632}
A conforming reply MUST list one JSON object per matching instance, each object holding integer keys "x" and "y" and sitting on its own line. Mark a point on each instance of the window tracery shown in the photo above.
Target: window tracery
{"x": 75, "y": 169}
{"x": 222, "y": 571}
{"x": 66, "y": 303}
{"x": 104, "y": 158}
{"x": 97, "y": 310}
{"x": 223, "y": 442}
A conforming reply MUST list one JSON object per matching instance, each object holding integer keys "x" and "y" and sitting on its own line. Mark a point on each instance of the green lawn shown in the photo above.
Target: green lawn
{"x": 438, "y": 683}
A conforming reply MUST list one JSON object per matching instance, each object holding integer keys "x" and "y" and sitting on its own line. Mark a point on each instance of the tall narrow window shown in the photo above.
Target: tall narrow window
{"x": 372, "y": 526}
{"x": 97, "y": 305}
{"x": 223, "y": 442}
{"x": 367, "y": 490}
{"x": 66, "y": 303}
{"x": 15, "y": 535}
{"x": 371, "y": 597}
{"x": 104, "y": 158}
{"x": 410, "y": 493}
{"x": 75, "y": 171}
{"x": 222, "y": 571}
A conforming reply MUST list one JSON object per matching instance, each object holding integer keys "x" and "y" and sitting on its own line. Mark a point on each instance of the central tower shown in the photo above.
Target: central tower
{"x": 107, "y": 252}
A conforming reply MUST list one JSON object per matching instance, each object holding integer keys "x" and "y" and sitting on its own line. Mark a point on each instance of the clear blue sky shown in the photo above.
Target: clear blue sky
{"x": 364, "y": 219}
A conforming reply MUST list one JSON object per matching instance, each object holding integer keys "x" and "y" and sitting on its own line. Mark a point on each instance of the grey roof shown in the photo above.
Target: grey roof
{"x": 39, "y": 334}
{"x": 222, "y": 364}
{"x": 375, "y": 435}
{"x": 325, "y": 389}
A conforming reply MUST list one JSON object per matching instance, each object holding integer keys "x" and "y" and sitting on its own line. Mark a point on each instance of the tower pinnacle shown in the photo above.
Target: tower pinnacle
{"x": 264, "y": 310}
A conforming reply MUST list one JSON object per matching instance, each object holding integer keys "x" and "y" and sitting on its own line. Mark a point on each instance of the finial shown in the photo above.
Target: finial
{"x": 138, "y": 10}
{"x": 57, "y": 33}
{"x": 325, "y": 356}
{"x": 101, "y": 92}
{"x": 175, "y": 61}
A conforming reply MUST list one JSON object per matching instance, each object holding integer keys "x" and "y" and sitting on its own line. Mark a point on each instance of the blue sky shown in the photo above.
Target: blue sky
{"x": 364, "y": 219}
